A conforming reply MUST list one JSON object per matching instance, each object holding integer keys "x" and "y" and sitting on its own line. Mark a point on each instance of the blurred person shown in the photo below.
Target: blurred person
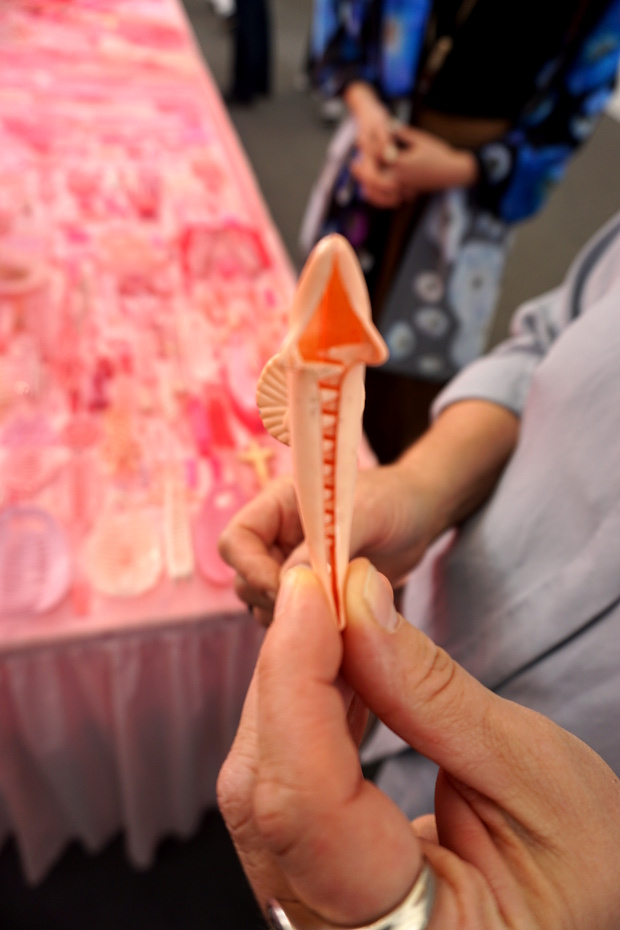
{"x": 506, "y": 514}
{"x": 493, "y": 100}
{"x": 252, "y": 52}
{"x": 526, "y": 831}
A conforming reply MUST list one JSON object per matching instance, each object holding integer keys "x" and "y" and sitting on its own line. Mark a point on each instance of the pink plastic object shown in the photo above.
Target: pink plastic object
{"x": 241, "y": 382}
{"x": 312, "y": 395}
{"x": 28, "y": 469}
{"x": 229, "y": 251}
{"x": 198, "y": 424}
{"x": 31, "y": 429}
{"x": 35, "y": 564}
{"x": 123, "y": 556}
{"x": 177, "y": 533}
{"x": 217, "y": 511}
{"x": 20, "y": 274}
{"x": 220, "y": 416}
{"x": 81, "y": 432}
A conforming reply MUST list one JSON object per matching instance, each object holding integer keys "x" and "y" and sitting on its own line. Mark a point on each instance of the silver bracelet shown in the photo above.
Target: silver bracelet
{"x": 413, "y": 913}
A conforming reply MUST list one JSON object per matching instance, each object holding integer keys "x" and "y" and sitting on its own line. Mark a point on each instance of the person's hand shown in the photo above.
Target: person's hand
{"x": 374, "y": 121}
{"x": 423, "y": 163}
{"x": 372, "y": 169}
{"x": 398, "y": 510}
{"x": 527, "y": 827}
{"x": 379, "y": 183}
{"x": 394, "y": 520}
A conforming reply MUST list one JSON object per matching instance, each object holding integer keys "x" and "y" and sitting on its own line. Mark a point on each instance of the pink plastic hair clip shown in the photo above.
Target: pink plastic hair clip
{"x": 312, "y": 395}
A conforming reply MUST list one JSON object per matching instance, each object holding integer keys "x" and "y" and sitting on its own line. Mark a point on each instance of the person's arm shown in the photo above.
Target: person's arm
{"x": 374, "y": 120}
{"x": 518, "y": 171}
{"x": 526, "y": 831}
{"x": 341, "y": 46}
{"x": 399, "y": 509}
{"x": 420, "y": 163}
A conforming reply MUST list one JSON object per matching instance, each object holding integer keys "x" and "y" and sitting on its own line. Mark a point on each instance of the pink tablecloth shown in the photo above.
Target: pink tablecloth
{"x": 142, "y": 288}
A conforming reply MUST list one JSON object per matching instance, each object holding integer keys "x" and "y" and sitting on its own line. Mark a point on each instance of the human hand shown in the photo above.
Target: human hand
{"x": 379, "y": 184}
{"x": 374, "y": 121}
{"x": 394, "y": 520}
{"x": 527, "y": 828}
{"x": 422, "y": 163}
{"x": 375, "y": 142}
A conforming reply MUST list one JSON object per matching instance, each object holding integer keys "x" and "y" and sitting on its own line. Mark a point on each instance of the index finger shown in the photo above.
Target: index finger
{"x": 269, "y": 522}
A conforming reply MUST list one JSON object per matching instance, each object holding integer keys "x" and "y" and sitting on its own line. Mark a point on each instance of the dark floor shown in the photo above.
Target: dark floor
{"x": 198, "y": 885}
{"x": 194, "y": 885}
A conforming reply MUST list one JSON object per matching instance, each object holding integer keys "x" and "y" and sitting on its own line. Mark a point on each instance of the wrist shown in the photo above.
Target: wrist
{"x": 459, "y": 460}
{"x": 424, "y": 500}
{"x": 467, "y": 168}
{"x": 359, "y": 96}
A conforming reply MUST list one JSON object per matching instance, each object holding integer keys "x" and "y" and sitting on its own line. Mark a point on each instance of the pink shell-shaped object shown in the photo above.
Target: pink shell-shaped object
{"x": 20, "y": 274}
{"x": 35, "y": 563}
{"x": 122, "y": 556}
{"x": 272, "y": 399}
{"x": 312, "y": 394}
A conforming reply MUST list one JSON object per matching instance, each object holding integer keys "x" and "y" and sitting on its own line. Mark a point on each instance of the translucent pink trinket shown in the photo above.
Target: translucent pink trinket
{"x": 218, "y": 509}
{"x": 122, "y": 556}
{"x": 229, "y": 251}
{"x": 35, "y": 563}
{"x": 81, "y": 432}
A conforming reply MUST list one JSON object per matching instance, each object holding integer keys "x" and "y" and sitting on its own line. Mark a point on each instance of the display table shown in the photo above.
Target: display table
{"x": 142, "y": 288}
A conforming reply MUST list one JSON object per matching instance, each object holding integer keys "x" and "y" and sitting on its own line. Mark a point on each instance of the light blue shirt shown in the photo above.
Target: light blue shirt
{"x": 526, "y": 594}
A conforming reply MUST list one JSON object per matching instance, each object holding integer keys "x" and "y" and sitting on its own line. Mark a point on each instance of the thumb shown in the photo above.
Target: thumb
{"x": 299, "y": 556}
{"x": 317, "y": 817}
{"x": 425, "y": 697}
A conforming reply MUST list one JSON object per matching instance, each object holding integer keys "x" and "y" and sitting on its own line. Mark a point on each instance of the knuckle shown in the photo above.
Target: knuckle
{"x": 437, "y": 673}
{"x": 224, "y": 545}
{"x": 274, "y": 806}
{"x": 230, "y": 801}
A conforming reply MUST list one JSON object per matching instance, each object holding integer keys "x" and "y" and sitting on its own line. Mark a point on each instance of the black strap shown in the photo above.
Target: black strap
{"x": 435, "y": 50}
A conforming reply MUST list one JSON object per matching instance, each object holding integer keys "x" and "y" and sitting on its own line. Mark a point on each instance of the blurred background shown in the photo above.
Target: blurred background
{"x": 285, "y": 138}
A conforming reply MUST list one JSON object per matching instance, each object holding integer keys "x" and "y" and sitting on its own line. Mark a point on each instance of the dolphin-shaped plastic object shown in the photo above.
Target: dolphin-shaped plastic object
{"x": 311, "y": 395}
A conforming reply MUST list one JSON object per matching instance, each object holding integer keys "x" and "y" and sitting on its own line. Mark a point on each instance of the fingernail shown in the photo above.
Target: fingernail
{"x": 378, "y": 597}
{"x": 390, "y": 154}
{"x": 286, "y": 591}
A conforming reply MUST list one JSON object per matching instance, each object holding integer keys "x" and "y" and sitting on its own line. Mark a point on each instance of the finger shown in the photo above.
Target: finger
{"x": 383, "y": 201}
{"x": 500, "y": 803}
{"x": 426, "y": 828}
{"x": 235, "y": 788}
{"x": 409, "y": 135}
{"x": 264, "y": 617}
{"x": 380, "y": 183}
{"x": 299, "y": 556}
{"x": 379, "y": 198}
{"x": 378, "y": 139}
{"x": 251, "y": 596}
{"x": 247, "y": 542}
{"x": 424, "y": 696}
{"x": 310, "y": 801}
{"x": 235, "y": 784}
